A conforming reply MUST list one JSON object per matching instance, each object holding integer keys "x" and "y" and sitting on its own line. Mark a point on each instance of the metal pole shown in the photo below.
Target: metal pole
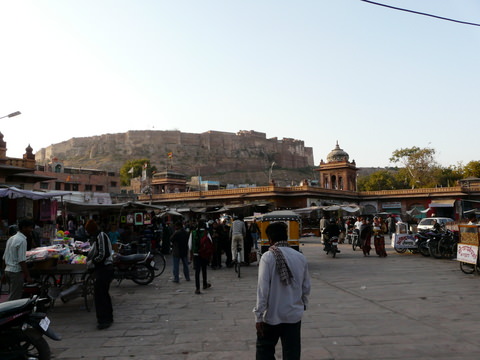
{"x": 11, "y": 115}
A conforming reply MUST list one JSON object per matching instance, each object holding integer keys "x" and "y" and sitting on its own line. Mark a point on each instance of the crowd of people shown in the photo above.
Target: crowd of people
{"x": 365, "y": 227}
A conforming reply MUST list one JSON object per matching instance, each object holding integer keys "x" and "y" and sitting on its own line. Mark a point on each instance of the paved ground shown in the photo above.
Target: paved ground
{"x": 404, "y": 307}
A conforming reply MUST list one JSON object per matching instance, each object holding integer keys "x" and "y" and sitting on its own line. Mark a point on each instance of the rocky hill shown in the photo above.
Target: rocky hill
{"x": 244, "y": 157}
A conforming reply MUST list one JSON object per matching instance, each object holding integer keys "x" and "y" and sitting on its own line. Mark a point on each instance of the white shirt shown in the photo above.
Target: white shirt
{"x": 278, "y": 303}
{"x": 238, "y": 228}
{"x": 358, "y": 225}
{"x": 15, "y": 252}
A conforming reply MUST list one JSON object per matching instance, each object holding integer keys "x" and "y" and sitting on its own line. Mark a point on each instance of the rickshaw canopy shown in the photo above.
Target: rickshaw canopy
{"x": 290, "y": 218}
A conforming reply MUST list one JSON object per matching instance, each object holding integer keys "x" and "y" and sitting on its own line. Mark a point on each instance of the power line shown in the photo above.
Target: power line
{"x": 420, "y": 13}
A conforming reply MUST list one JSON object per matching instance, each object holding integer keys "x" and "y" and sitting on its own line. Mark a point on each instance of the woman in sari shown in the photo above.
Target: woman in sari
{"x": 378, "y": 239}
{"x": 365, "y": 236}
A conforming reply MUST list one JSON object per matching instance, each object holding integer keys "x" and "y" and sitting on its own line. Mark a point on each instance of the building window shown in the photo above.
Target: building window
{"x": 74, "y": 187}
{"x": 67, "y": 187}
{"x": 334, "y": 182}
{"x": 58, "y": 186}
{"x": 113, "y": 184}
{"x": 88, "y": 188}
{"x": 44, "y": 185}
{"x": 58, "y": 168}
{"x": 98, "y": 188}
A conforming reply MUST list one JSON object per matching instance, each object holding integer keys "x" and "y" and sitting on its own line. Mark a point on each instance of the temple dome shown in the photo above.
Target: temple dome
{"x": 337, "y": 154}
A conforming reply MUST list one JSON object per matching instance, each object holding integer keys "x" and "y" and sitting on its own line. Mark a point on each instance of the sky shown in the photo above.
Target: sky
{"x": 374, "y": 79}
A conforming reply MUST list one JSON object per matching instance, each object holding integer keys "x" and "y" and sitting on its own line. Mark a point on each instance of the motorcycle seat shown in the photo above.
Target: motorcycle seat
{"x": 10, "y": 307}
{"x": 133, "y": 258}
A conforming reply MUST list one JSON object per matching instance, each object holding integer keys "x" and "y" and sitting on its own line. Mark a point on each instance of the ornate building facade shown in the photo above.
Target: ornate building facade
{"x": 338, "y": 173}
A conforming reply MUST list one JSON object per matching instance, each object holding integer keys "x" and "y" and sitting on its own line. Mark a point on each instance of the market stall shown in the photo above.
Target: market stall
{"x": 18, "y": 203}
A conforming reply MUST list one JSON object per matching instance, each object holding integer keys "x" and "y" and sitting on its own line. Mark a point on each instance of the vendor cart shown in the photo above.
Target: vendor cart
{"x": 467, "y": 249}
{"x": 62, "y": 281}
{"x": 402, "y": 239}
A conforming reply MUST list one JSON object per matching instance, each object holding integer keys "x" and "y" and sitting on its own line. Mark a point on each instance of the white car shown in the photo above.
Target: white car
{"x": 427, "y": 223}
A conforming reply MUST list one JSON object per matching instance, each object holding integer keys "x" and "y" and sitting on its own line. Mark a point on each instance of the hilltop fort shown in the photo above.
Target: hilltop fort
{"x": 245, "y": 156}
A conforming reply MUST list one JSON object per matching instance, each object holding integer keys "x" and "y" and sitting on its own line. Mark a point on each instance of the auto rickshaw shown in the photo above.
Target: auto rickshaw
{"x": 294, "y": 224}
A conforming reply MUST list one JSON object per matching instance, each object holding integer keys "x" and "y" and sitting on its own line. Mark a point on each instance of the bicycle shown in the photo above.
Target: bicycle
{"x": 160, "y": 262}
{"x": 238, "y": 259}
{"x": 355, "y": 240}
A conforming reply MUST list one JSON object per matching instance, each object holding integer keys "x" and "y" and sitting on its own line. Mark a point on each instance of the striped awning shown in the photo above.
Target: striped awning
{"x": 442, "y": 203}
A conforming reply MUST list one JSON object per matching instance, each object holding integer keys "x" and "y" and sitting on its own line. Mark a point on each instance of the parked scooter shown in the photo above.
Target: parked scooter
{"x": 22, "y": 329}
{"x": 140, "y": 268}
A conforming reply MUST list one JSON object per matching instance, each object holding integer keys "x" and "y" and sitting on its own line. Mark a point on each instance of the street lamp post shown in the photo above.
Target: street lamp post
{"x": 11, "y": 115}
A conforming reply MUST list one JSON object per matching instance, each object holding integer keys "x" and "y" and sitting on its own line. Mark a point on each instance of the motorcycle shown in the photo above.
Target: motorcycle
{"x": 331, "y": 245}
{"x": 447, "y": 245}
{"x": 140, "y": 268}
{"x": 432, "y": 244}
{"x": 421, "y": 241}
{"x": 22, "y": 328}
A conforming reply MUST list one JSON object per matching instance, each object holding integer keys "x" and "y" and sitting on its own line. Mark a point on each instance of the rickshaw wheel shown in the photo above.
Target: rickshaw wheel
{"x": 467, "y": 268}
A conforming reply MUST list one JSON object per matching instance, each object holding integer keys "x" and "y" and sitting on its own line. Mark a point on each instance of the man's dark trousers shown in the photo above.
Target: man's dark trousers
{"x": 290, "y": 337}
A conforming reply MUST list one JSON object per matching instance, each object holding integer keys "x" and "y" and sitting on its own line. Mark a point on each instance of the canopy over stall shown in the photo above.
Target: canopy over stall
{"x": 18, "y": 203}
{"x": 348, "y": 208}
{"x": 169, "y": 213}
{"x": 82, "y": 208}
{"x": 414, "y": 211}
{"x": 15, "y": 193}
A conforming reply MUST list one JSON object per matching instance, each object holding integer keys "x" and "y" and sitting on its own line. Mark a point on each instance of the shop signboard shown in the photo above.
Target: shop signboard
{"x": 468, "y": 245}
{"x": 392, "y": 205}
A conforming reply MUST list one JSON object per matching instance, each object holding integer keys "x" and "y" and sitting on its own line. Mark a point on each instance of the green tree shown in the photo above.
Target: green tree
{"x": 133, "y": 168}
{"x": 379, "y": 180}
{"x": 472, "y": 169}
{"x": 447, "y": 176}
{"x": 420, "y": 165}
